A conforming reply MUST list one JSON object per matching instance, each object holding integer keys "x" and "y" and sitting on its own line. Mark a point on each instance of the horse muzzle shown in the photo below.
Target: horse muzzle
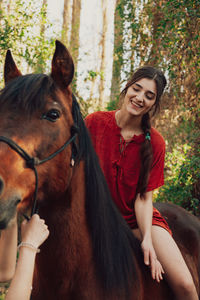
{"x": 8, "y": 210}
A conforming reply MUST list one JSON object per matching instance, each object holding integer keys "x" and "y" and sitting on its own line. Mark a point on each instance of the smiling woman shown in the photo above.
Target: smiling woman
{"x": 132, "y": 155}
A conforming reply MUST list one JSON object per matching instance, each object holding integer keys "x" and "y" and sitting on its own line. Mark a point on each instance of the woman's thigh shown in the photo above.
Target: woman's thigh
{"x": 169, "y": 255}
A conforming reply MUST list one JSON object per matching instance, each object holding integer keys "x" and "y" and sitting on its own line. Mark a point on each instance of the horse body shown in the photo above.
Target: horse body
{"x": 186, "y": 232}
{"x": 91, "y": 254}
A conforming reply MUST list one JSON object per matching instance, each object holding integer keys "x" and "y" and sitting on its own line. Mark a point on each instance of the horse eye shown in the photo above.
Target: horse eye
{"x": 52, "y": 115}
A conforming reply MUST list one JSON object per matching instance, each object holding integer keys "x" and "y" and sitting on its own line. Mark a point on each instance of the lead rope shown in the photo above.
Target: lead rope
{"x": 32, "y": 162}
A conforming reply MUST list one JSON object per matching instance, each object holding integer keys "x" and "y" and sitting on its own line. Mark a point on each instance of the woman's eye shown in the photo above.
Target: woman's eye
{"x": 52, "y": 115}
{"x": 150, "y": 97}
{"x": 136, "y": 90}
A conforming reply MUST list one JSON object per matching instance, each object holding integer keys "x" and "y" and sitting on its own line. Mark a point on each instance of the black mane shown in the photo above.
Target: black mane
{"x": 27, "y": 93}
{"x": 113, "y": 241}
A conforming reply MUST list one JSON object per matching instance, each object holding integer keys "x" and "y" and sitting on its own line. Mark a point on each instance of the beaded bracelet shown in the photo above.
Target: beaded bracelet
{"x": 28, "y": 245}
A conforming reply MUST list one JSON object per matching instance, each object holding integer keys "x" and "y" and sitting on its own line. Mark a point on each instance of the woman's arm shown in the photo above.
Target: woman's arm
{"x": 34, "y": 233}
{"x": 144, "y": 213}
{"x": 8, "y": 251}
{"x": 21, "y": 285}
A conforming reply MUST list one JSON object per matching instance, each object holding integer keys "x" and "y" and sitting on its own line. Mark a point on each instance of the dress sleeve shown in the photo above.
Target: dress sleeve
{"x": 156, "y": 177}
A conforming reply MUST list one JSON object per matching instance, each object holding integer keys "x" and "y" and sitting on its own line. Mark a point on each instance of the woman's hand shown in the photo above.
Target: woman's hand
{"x": 34, "y": 231}
{"x": 151, "y": 260}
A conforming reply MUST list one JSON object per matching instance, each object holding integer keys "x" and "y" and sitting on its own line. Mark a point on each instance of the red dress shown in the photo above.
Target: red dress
{"x": 120, "y": 162}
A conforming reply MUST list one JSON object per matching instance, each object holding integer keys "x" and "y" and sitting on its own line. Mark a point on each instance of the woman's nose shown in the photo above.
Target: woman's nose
{"x": 140, "y": 97}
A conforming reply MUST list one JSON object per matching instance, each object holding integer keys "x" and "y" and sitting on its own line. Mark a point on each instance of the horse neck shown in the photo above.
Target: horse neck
{"x": 68, "y": 247}
{"x": 67, "y": 217}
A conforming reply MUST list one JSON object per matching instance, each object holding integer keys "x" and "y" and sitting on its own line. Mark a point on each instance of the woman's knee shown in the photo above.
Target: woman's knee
{"x": 185, "y": 286}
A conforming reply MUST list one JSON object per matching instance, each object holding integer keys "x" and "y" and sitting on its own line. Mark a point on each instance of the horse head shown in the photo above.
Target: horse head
{"x": 36, "y": 121}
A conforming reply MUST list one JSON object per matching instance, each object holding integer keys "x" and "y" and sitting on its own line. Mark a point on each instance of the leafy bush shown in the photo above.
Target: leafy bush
{"x": 182, "y": 170}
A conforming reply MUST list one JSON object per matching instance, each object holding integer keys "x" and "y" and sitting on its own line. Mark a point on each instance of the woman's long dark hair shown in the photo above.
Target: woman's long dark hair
{"x": 146, "y": 148}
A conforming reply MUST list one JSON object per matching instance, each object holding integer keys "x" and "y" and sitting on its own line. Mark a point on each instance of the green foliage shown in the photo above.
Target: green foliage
{"x": 183, "y": 172}
{"x": 91, "y": 75}
{"x": 22, "y": 31}
{"x": 3, "y": 289}
{"x": 179, "y": 184}
{"x": 112, "y": 105}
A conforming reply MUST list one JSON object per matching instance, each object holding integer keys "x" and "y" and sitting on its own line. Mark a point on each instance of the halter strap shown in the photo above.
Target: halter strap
{"x": 32, "y": 162}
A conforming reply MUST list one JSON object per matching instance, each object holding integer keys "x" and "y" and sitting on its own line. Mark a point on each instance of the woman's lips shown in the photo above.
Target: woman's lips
{"x": 135, "y": 104}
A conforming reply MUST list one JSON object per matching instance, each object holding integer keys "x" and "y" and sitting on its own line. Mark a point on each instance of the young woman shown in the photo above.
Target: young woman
{"x": 131, "y": 155}
{"x": 33, "y": 234}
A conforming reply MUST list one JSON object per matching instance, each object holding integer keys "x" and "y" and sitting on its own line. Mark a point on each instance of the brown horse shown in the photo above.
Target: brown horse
{"x": 46, "y": 155}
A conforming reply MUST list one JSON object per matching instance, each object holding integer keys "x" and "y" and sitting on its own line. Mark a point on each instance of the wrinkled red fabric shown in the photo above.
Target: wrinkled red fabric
{"x": 120, "y": 162}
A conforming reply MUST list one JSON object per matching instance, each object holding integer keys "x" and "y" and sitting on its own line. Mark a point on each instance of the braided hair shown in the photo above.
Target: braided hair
{"x": 146, "y": 153}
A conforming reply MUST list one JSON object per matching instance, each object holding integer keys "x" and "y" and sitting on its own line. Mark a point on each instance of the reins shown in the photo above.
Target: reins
{"x": 32, "y": 162}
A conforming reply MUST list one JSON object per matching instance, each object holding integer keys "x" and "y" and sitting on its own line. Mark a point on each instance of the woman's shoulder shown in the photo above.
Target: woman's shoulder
{"x": 157, "y": 139}
{"x": 99, "y": 116}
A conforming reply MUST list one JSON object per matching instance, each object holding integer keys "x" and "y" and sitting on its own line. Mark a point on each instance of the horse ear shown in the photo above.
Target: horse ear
{"x": 62, "y": 66}
{"x": 10, "y": 69}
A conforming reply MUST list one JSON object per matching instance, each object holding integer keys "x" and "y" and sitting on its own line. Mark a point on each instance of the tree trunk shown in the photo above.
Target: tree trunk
{"x": 74, "y": 40}
{"x": 103, "y": 54}
{"x": 42, "y": 27}
{"x": 66, "y": 23}
{"x": 154, "y": 56}
{"x": 40, "y": 66}
{"x": 118, "y": 52}
{"x": 9, "y": 6}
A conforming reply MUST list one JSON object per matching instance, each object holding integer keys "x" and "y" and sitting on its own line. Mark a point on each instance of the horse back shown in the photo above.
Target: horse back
{"x": 186, "y": 232}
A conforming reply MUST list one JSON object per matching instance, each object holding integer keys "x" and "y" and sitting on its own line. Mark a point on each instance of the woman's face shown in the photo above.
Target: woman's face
{"x": 140, "y": 97}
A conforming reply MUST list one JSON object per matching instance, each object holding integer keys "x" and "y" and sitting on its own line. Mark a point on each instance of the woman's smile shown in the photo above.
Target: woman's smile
{"x": 135, "y": 104}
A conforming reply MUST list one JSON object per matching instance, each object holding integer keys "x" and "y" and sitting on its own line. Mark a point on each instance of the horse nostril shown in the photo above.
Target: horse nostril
{"x": 17, "y": 201}
{"x": 1, "y": 185}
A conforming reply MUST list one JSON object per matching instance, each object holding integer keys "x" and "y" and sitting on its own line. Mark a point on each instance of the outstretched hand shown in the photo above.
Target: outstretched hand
{"x": 150, "y": 259}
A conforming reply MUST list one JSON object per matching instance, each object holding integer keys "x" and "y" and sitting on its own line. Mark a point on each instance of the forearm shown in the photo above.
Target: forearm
{"x": 144, "y": 212}
{"x": 8, "y": 251}
{"x": 20, "y": 288}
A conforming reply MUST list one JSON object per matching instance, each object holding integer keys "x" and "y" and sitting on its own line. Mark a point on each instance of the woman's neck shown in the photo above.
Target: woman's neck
{"x": 130, "y": 125}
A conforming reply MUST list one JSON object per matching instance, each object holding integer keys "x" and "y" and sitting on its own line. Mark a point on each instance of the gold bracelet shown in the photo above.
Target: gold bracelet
{"x": 28, "y": 245}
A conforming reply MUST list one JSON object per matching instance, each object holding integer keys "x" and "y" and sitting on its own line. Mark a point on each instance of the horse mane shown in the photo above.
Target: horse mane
{"x": 113, "y": 241}
{"x": 27, "y": 92}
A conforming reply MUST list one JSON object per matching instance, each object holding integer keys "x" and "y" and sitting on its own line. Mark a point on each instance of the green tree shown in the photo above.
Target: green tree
{"x": 22, "y": 31}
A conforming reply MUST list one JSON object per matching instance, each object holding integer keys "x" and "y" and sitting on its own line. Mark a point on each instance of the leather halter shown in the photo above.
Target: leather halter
{"x": 32, "y": 162}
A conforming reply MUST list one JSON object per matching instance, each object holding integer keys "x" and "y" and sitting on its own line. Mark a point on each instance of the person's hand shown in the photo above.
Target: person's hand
{"x": 151, "y": 260}
{"x": 34, "y": 231}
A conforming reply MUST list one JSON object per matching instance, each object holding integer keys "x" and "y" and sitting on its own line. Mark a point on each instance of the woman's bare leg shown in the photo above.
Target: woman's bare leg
{"x": 170, "y": 257}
